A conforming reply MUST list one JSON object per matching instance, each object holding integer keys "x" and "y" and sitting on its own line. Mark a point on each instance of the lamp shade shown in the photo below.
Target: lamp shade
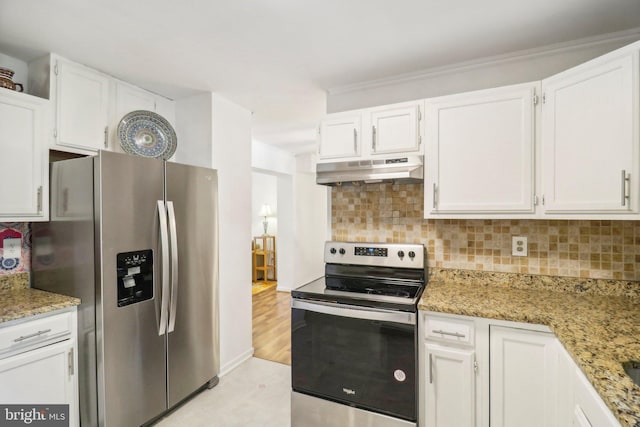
{"x": 265, "y": 210}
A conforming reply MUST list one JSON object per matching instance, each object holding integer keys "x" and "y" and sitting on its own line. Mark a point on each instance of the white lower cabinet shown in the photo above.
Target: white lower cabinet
{"x": 450, "y": 386}
{"x": 589, "y": 410}
{"x": 523, "y": 383}
{"x": 37, "y": 362}
{"x": 492, "y": 373}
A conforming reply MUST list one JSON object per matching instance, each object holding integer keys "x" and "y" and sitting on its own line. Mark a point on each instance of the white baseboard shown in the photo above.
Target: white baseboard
{"x": 228, "y": 367}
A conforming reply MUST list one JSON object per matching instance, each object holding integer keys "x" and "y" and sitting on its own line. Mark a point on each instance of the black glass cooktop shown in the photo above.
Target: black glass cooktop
{"x": 398, "y": 289}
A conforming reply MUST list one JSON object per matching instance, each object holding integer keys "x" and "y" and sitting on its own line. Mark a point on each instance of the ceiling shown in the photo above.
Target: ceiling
{"x": 278, "y": 58}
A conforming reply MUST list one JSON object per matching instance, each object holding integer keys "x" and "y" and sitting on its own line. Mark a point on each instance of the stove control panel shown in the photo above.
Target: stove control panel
{"x": 377, "y": 254}
{"x": 368, "y": 251}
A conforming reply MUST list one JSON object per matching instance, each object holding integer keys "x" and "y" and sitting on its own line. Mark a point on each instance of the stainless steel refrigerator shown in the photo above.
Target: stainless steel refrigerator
{"x": 136, "y": 239}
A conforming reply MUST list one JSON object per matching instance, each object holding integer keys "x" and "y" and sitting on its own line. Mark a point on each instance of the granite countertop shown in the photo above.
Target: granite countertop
{"x": 18, "y": 300}
{"x": 597, "y": 321}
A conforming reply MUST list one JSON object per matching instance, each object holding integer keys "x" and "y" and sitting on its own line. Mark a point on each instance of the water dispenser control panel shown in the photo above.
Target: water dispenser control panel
{"x": 135, "y": 276}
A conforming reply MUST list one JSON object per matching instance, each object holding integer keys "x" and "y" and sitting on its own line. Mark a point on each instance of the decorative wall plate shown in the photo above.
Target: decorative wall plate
{"x": 145, "y": 133}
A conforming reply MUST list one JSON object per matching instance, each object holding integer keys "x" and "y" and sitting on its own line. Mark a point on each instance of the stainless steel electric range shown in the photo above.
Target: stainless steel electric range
{"x": 354, "y": 337}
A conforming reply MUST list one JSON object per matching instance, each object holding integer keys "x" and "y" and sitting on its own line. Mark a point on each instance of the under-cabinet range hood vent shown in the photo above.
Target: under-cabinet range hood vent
{"x": 400, "y": 170}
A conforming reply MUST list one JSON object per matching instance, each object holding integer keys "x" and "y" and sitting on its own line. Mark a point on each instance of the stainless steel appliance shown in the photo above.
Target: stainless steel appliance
{"x": 136, "y": 239}
{"x": 398, "y": 170}
{"x": 354, "y": 338}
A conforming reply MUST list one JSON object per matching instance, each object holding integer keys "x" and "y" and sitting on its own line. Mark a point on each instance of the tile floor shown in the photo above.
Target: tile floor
{"x": 256, "y": 393}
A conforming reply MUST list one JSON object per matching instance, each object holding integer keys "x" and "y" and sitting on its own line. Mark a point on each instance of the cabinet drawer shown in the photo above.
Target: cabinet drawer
{"x": 450, "y": 330}
{"x": 31, "y": 334}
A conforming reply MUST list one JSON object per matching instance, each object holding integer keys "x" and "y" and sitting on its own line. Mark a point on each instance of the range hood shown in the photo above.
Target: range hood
{"x": 400, "y": 170}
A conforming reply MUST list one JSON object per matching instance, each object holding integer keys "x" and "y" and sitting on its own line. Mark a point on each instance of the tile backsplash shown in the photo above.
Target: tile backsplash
{"x": 574, "y": 248}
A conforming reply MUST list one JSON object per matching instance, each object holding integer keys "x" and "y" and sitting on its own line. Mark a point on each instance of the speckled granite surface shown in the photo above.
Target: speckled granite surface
{"x": 18, "y": 300}
{"x": 597, "y": 321}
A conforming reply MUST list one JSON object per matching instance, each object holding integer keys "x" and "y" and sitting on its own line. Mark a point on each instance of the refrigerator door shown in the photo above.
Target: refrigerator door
{"x": 62, "y": 261}
{"x": 131, "y": 351}
{"x": 193, "y": 355}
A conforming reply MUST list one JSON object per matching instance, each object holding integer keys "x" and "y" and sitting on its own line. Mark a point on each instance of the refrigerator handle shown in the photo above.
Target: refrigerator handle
{"x": 164, "y": 243}
{"x": 173, "y": 235}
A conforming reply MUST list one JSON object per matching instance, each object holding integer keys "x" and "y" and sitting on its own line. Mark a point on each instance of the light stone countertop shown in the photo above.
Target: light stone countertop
{"x": 18, "y": 300}
{"x": 597, "y": 321}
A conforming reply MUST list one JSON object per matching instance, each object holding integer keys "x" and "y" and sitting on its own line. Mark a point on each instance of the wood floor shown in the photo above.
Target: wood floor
{"x": 272, "y": 326}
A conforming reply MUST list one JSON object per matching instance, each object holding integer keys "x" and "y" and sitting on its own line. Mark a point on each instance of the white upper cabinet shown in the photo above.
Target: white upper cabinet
{"x": 130, "y": 98}
{"x": 81, "y": 99}
{"x": 590, "y": 140}
{"x": 395, "y": 129}
{"x": 480, "y": 152}
{"x": 340, "y": 136}
{"x": 87, "y": 105}
{"x": 380, "y": 132}
{"x": 24, "y": 159}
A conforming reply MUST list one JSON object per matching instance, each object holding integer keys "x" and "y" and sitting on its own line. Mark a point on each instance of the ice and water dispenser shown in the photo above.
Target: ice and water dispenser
{"x": 135, "y": 276}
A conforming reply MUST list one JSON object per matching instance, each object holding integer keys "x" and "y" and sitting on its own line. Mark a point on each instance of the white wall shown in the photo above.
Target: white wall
{"x": 302, "y": 214}
{"x": 491, "y": 72}
{"x": 287, "y": 257}
{"x": 194, "y": 130}
{"x": 264, "y": 190}
{"x": 231, "y": 156}
{"x": 272, "y": 159}
{"x": 310, "y": 227}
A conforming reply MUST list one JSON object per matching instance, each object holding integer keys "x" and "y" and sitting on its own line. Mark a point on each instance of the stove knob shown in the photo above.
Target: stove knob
{"x": 342, "y": 251}
{"x": 401, "y": 254}
{"x": 412, "y": 254}
{"x": 333, "y": 251}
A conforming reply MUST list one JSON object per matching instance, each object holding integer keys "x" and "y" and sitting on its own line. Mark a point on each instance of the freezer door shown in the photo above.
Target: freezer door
{"x": 131, "y": 352}
{"x": 193, "y": 355}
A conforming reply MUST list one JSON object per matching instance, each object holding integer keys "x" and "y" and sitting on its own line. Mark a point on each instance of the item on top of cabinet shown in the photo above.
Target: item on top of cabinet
{"x": 147, "y": 134}
{"x": 6, "y": 76}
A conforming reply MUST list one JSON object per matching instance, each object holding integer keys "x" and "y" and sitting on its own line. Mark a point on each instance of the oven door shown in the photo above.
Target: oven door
{"x": 359, "y": 356}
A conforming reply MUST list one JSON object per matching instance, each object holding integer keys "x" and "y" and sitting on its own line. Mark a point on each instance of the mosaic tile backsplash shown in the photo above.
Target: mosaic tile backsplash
{"x": 15, "y": 230}
{"x": 573, "y": 248}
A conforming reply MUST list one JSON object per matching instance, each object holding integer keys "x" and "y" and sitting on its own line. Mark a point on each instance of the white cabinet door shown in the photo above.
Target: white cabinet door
{"x": 589, "y": 409}
{"x": 395, "y": 130}
{"x": 590, "y": 140}
{"x": 130, "y": 98}
{"x": 340, "y": 137}
{"x": 522, "y": 377}
{"x": 480, "y": 152}
{"x": 450, "y": 396}
{"x": 42, "y": 376}
{"x": 24, "y": 159}
{"x": 82, "y": 107}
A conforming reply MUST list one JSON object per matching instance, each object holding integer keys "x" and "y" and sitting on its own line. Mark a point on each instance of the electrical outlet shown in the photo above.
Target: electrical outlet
{"x": 518, "y": 246}
{"x": 12, "y": 248}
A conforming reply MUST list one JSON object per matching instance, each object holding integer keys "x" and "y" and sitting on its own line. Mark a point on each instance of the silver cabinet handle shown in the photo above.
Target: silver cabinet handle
{"x": 355, "y": 140}
{"x": 164, "y": 245}
{"x": 435, "y": 189}
{"x": 33, "y": 335}
{"x": 173, "y": 236}
{"x": 39, "y": 199}
{"x": 623, "y": 188}
{"x": 106, "y": 137}
{"x": 373, "y": 138}
{"x": 451, "y": 334}
{"x": 430, "y": 368}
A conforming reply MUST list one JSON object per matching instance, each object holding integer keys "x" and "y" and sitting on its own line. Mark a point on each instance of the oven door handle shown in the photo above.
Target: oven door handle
{"x": 355, "y": 312}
